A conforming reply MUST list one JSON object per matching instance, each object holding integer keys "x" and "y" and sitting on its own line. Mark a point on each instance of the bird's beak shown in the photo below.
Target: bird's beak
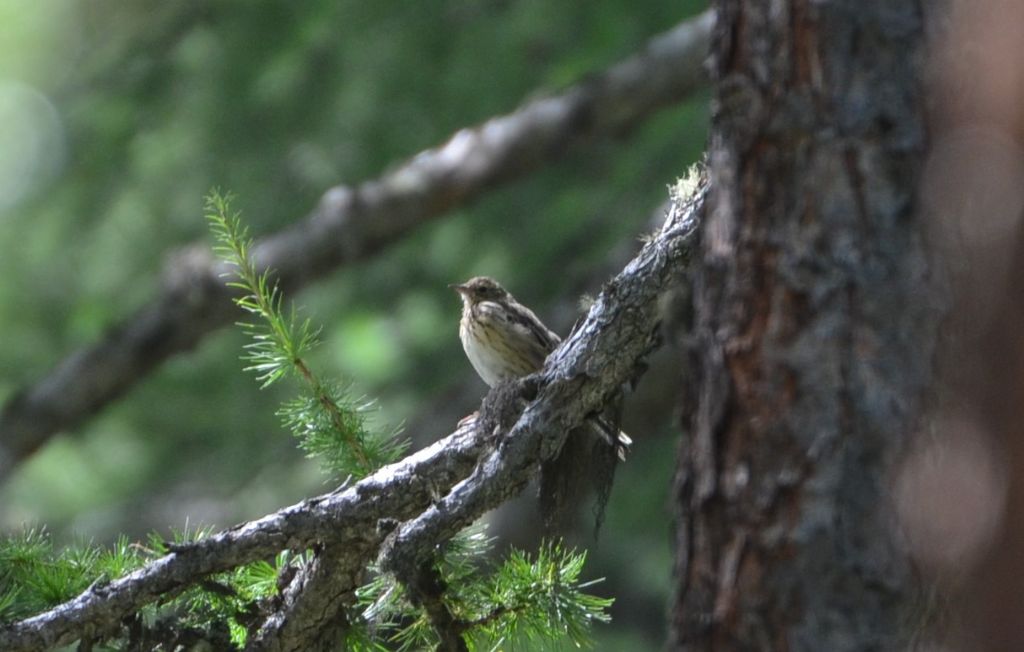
{"x": 460, "y": 288}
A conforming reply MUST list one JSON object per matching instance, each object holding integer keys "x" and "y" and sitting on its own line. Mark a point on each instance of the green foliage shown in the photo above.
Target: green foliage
{"x": 542, "y": 600}
{"x": 525, "y": 603}
{"x": 279, "y": 341}
{"x": 317, "y": 430}
{"x": 330, "y": 425}
{"x": 34, "y": 577}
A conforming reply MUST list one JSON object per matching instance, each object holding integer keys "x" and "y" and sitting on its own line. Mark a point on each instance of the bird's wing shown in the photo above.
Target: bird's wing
{"x": 536, "y": 329}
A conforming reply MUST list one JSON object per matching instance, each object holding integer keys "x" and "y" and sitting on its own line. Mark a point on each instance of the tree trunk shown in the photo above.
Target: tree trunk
{"x": 813, "y": 331}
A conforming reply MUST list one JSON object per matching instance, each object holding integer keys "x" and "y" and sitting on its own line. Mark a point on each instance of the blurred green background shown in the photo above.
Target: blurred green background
{"x": 117, "y": 117}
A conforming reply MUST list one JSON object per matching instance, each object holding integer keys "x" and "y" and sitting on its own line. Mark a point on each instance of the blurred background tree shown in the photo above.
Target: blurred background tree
{"x": 116, "y": 118}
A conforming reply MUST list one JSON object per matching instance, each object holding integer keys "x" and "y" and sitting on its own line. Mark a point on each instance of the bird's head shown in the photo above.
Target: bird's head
{"x": 480, "y": 288}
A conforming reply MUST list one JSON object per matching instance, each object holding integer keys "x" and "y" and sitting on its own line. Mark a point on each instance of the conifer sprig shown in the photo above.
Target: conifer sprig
{"x": 329, "y": 424}
{"x": 528, "y": 601}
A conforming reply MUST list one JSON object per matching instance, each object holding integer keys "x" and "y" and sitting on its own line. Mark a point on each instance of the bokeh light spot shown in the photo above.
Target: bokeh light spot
{"x": 32, "y": 143}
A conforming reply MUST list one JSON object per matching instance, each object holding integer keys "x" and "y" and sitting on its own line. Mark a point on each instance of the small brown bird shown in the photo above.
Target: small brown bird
{"x": 504, "y": 339}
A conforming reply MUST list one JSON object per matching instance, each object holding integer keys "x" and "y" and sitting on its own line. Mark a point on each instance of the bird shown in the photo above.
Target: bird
{"x": 505, "y": 340}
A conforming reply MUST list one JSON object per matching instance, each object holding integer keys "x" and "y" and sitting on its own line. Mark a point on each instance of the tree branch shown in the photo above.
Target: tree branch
{"x": 316, "y": 601}
{"x": 590, "y": 365}
{"x": 620, "y": 329}
{"x": 350, "y": 224}
{"x": 313, "y": 612}
{"x": 346, "y": 517}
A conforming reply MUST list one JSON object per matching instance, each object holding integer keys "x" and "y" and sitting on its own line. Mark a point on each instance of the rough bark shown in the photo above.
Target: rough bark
{"x": 813, "y": 330}
{"x": 313, "y": 616}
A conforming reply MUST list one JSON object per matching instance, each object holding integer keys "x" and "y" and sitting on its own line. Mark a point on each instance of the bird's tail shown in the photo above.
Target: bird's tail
{"x": 615, "y": 437}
